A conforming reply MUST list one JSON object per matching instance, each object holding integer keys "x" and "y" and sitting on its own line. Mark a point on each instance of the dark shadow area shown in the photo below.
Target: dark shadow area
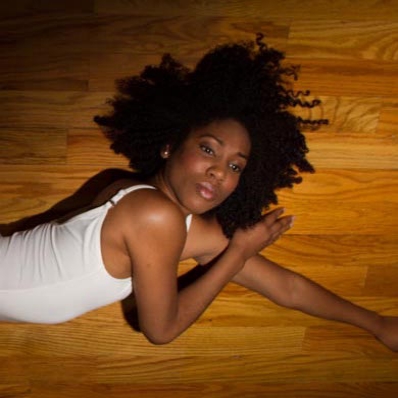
{"x": 81, "y": 198}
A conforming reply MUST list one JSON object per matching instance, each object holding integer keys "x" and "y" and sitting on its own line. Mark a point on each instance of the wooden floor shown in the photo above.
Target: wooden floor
{"x": 58, "y": 62}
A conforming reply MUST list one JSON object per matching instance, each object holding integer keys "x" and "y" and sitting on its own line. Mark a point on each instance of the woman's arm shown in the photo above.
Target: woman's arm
{"x": 163, "y": 311}
{"x": 292, "y": 290}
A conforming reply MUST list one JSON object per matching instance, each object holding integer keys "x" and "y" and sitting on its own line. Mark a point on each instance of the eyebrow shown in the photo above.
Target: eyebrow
{"x": 221, "y": 142}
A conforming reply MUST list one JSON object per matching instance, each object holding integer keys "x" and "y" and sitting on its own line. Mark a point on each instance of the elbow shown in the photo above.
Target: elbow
{"x": 158, "y": 337}
{"x": 157, "y": 340}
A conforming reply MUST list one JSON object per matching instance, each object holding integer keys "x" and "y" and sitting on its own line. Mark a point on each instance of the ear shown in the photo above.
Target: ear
{"x": 165, "y": 151}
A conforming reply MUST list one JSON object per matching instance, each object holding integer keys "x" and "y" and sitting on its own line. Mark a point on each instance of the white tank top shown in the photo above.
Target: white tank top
{"x": 55, "y": 272}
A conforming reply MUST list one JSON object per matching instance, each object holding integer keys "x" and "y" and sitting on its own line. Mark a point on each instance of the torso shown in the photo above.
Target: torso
{"x": 204, "y": 239}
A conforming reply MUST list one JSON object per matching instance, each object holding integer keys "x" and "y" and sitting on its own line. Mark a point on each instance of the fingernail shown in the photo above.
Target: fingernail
{"x": 292, "y": 221}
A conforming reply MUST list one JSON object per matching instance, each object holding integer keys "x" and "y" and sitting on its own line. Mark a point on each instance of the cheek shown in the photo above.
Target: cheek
{"x": 191, "y": 161}
{"x": 232, "y": 184}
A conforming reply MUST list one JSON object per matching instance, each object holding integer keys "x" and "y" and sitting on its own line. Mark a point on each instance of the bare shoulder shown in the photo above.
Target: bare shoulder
{"x": 149, "y": 207}
{"x": 143, "y": 224}
{"x": 205, "y": 239}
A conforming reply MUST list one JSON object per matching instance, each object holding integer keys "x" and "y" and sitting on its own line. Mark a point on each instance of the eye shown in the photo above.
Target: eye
{"x": 207, "y": 149}
{"x": 235, "y": 168}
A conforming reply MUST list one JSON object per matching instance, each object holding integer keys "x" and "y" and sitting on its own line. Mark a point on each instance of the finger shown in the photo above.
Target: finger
{"x": 287, "y": 221}
{"x": 282, "y": 225}
{"x": 273, "y": 215}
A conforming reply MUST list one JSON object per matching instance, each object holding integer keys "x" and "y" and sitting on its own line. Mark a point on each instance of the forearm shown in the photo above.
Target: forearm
{"x": 192, "y": 300}
{"x": 295, "y": 291}
{"x": 197, "y": 296}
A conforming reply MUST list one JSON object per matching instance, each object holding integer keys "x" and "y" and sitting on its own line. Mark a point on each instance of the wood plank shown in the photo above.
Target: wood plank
{"x": 287, "y": 9}
{"x": 354, "y": 116}
{"x": 63, "y": 109}
{"x": 39, "y": 33}
{"x": 382, "y": 280}
{"x": 184, "y": 36}
{"x": 23, "y": 7}
{"x": 388, "y": 123}
{"x": 22, "y": 370}
{"x": 47, "y": 72}
{"x": 341, "y": 218}
{"x": 74, "y": 339}
{"x": 361, "y": 186}
{"x": 39, "y": 109}
{"x": 227, "y": 389}
{"x": 155, "y": 370}
{"x": 17, "y": 389}
{"x": 342, "y": 338}
{"x": 343, "y": 77}
{"x": 346, "y": 151}
{"x": 351, "y": 205}
{"x": 188, "y": 370}
{"x": 33, "y": 146}
{"x": 351, "y": 250}
{"x": 90, "y": 146}
{"x": 32, "y": 189}
{"x": 103, "y": 73}
{"x": 342, "y": 39}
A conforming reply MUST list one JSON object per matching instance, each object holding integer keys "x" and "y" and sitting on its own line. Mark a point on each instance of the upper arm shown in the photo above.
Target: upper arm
{"x": 154, "y": 241}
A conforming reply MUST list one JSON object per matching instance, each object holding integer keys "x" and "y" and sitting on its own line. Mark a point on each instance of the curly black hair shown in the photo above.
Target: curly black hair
{"x": 243, "y": 81}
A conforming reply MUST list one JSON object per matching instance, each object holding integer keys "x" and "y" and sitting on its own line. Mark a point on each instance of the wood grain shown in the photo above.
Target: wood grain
{"x": 290, "y": 9}
{"x": 58, "y": 63}
{"x": 341, "y": 39}
{"x": 45, "y": 72}
{"x": 339, "y": 77}
{"x": 196, "y": 390}
{"x": 25, "y": 146}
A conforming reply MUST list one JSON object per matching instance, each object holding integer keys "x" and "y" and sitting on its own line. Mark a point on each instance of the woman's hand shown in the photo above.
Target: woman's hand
{"x": 250, "y": 241}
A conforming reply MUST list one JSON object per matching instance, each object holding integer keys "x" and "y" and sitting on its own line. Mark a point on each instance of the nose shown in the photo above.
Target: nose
{"x": 217, "y": 171}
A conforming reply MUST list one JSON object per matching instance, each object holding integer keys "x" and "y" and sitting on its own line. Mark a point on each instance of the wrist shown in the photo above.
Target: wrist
{"x": 237, "y": 254}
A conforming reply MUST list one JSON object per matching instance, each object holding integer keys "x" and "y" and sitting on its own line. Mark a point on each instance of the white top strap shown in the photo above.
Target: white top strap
{"x": 188, "y": 221}
{"x": 124, "y": 191}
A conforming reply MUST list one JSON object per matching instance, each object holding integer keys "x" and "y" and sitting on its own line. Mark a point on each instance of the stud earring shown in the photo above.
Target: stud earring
{"x": 165, "y": 154}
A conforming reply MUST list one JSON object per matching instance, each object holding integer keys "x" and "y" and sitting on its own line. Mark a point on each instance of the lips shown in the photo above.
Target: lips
{"x": 206, "y": 190}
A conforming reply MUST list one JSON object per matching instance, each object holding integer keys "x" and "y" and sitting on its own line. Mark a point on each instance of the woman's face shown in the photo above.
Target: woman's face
{"x": 205, "y": 169}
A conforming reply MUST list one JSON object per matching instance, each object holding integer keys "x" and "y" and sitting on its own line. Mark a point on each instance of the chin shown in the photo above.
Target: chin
{"x": 208, "y": 208}
{"x": 199, "y": 209}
